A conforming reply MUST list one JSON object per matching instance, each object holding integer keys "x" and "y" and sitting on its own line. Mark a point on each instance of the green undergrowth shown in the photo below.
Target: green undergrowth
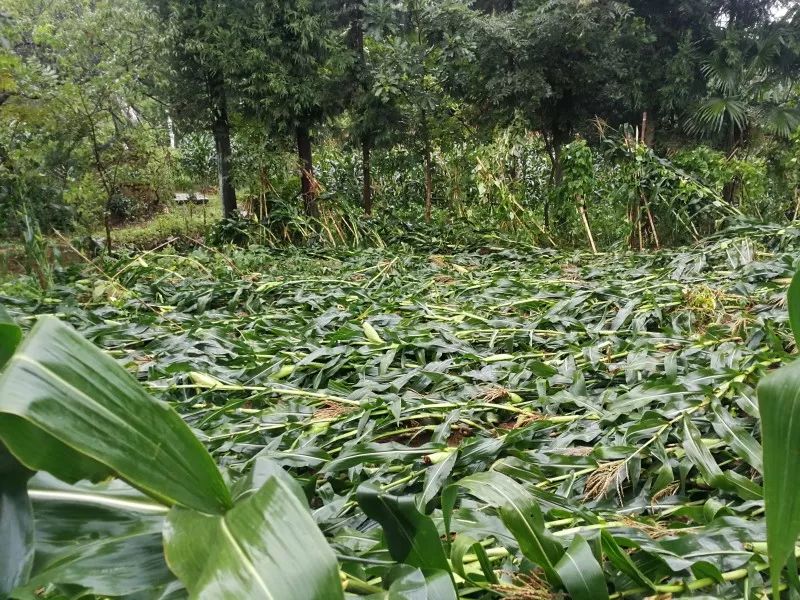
{"x": 616, "y": 391}
{"x": 190, "y": 221}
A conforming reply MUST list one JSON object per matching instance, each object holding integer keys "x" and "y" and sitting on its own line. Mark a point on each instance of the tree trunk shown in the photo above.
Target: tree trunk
{"x": 644, "y": 129}
{"x": 107, "y": 225}
{"x": 366, "y": 170}
{"x": 428, "y": 184}
{"x": 108, "y": 185}
{"x": 308, "y": 185}
{"x": 222, "y": 141}
{"x": 553, "y": 147}
{"x": 558, "y": 168}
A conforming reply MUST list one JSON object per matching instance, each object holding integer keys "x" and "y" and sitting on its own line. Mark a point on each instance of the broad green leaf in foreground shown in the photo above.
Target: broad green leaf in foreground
{"x": 16, "y": 523}
{"x": 70, "y": 409}
{"x": 779, "y": 404}
{"x": 793, "y": 302}
{"x": 106, "y": 538}
{"x": 266, "y": 547}
{"x": 16, "y": 518}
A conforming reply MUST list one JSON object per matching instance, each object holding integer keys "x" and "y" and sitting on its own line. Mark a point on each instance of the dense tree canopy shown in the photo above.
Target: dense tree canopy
{"x": 437, "y": 108}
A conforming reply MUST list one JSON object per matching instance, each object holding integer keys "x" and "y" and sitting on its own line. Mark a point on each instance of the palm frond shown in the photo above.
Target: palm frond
{"x": 713, "y": 114}
{"x": 779, "y": 120}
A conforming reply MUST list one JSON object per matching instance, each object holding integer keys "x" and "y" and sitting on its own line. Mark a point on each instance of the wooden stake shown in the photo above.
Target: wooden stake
{"x": 644, "y": 128}
{"x": 585, "y": 219}
{"x": 652, "y": 222}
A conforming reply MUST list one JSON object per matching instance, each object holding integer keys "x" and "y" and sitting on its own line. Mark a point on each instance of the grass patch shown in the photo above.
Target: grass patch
{"x": 179, "y": 220}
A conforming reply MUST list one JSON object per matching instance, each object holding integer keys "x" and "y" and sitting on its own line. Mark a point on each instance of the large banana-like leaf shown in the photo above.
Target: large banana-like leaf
{"x": 16, "y": 523}
{"x": 69, "y": 409}
{"x": 779, "y": 406}
{"x": 105, "y": 538}
{"x": 267, "y": 547}
{"x": 16, "y": 518}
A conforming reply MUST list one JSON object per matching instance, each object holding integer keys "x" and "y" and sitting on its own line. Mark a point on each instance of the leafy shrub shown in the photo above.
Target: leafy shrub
{"x": 239, "y": 229}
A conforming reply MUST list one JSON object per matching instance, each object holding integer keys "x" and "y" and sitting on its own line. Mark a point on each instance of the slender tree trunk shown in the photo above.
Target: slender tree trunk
{"x": 222, "y": 141}
{"x": 308, "y": 185}
{"x": 108, "y": 185}
{"x": 553, "y": 147}
{"x": 107, "y": 224}
{"x": 558, "y": 167}
{"x": 428, "y": 183}
{"x": 796, "y": 204}
{"x": 356, "y": 42}
{"x": 633, "y": 219}
{"x": 366, "y": 170}
{"x": 652, "y": 222}
{"x": 644, "y": 128}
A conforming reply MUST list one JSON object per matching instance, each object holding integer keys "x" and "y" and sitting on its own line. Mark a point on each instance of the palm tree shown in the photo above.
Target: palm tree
{"x": 749, "y": 90}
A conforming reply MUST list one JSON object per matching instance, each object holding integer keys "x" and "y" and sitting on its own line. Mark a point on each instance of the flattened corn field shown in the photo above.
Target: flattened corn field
{"x": 615, "y": 394}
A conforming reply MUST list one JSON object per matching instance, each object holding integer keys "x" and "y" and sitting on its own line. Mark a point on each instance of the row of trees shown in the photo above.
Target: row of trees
{"x": 77, "y": 77}
{"x": 425, "y": 73}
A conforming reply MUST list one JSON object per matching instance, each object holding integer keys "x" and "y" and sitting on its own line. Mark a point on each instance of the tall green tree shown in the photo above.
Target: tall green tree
{"x": 288, "y": 63}
{"x": 196, "y": 85}
{"x": 410, "y": 70}
{"x": 74, "y": 105}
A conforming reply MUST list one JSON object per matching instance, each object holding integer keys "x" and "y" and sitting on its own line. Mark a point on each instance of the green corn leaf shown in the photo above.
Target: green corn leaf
{"x": 581, "y": 573}
{"x": 411, "y": 536}
{"x": 620, "y": 559}
{"x": 267, "y": 547}
{"x": 110, "y": 566}
{"x": 69, "y": 409}
{"x": 104, "y": 537}
{"x": 410, "y": 583}
{"x": 779, "y": 404}
{"x": 372, "y": 453}
{"x": 794, "y": 305}
{"x": 744, "y": 444}
{"x": 700, "y": 455}
{"x": 16, "y": 523}
{"x": 435, "y": 477}
{"x": 461, "y": 546}
{"x": 519, "y": 512}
